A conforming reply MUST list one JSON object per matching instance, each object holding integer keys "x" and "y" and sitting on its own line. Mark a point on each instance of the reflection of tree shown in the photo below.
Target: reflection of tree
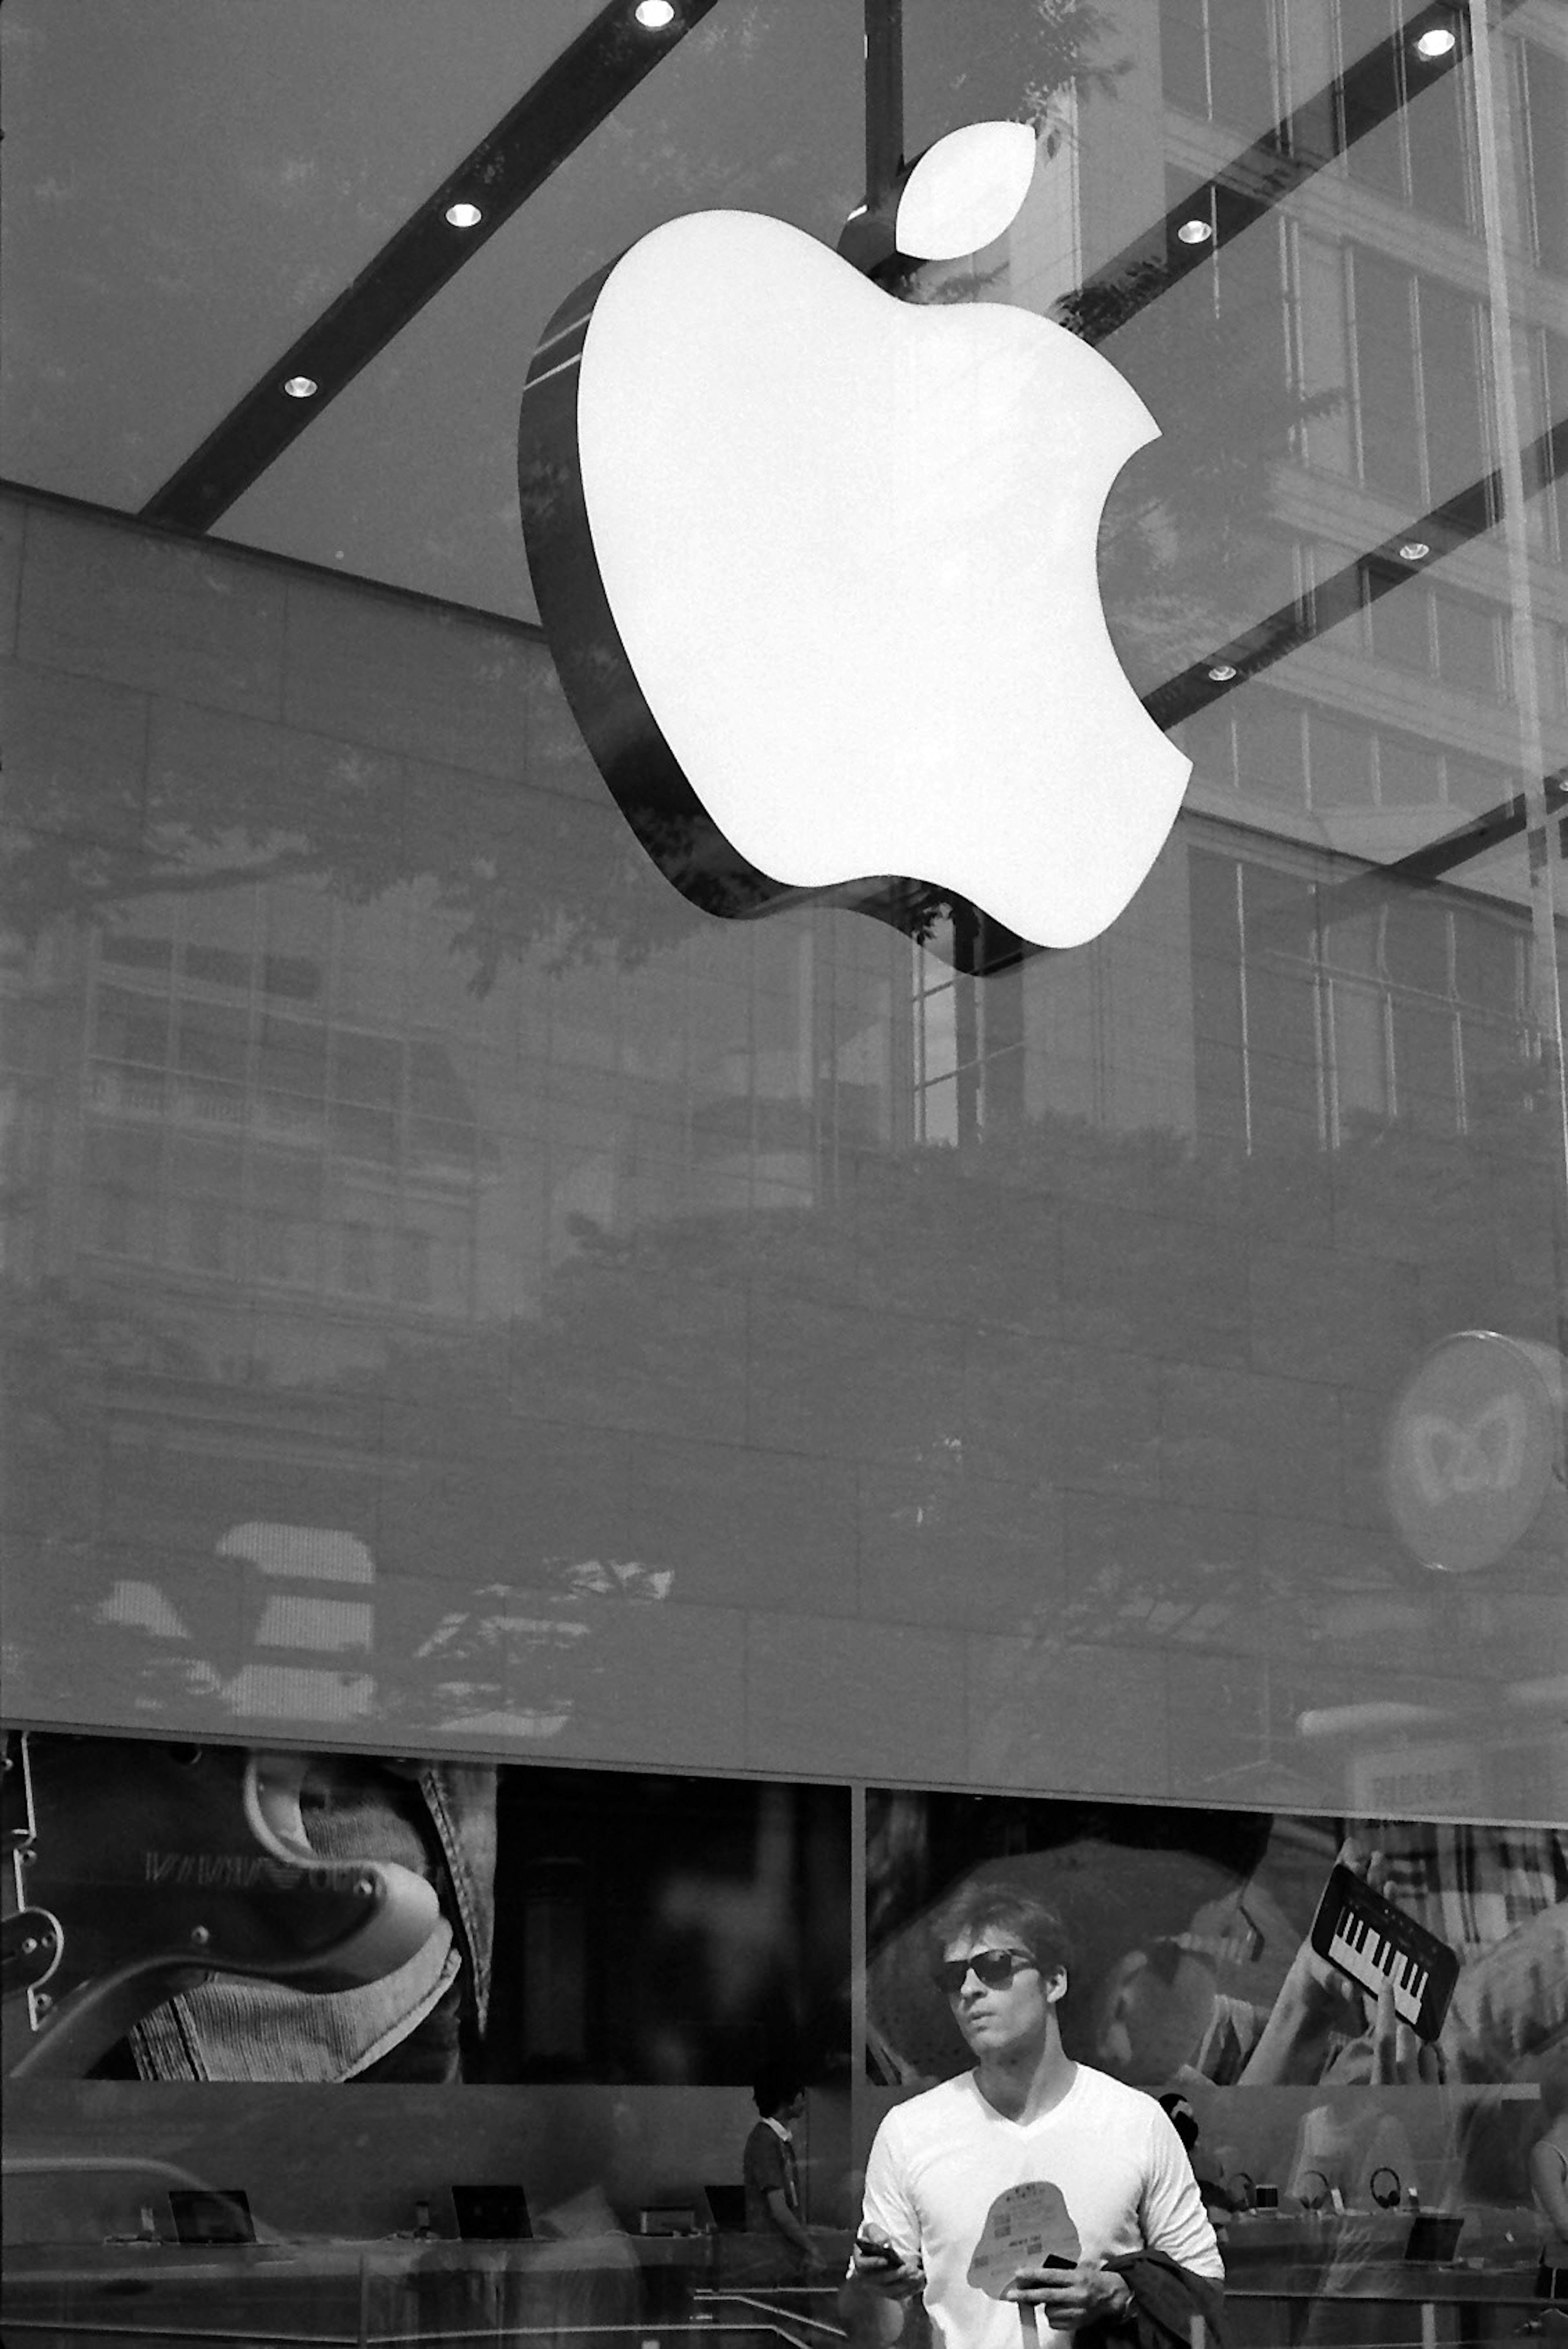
{"x": 1185, "y": 557}
{"x": 340, "y": 821}
{"x": 1222, "y": 1359}
{"x": 1031, "y": 54}
{"x": 65, "y": 1355}
{"x": 979, "y": 1389}
{"x": 921, "y": 1324}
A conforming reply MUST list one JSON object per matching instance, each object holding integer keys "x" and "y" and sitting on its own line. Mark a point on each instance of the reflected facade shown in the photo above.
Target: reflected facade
{"x": 466, "y": 1301}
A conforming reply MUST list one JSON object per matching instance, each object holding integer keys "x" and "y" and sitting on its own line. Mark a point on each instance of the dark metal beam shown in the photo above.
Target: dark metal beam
{"x": 570, "y": 100}
{"x": 884, "y": 98}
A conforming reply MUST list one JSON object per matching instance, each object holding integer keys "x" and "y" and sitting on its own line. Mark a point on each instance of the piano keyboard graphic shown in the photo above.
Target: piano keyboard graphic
{"x": 1368, "y": 1938}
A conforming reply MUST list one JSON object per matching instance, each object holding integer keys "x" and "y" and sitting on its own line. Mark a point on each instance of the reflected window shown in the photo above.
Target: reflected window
{"x": 216, "y": 966}
{"x": 1419, "y": 369}
{"x": 1217, "y": 60}
{"x": 1431, "y": 628}
{"x": 132, "y": 1029}
{"x": 359, "y": 1250}
{"x": 1553, "y": 351}
{"x": 203, "y": 1234}
{"x": 1305, "y": 1023}
{"x": 1543, "y": 77}
{"x": 1416, "y": 144}
{"x": 296, "y": 977}
{"x": 130, "y": 950}
{"x": 1339, "y": 762}
{"x": 123, "y": 1172}
{"x": 1469, "y": 645}
{"x": 1270, "y": 751}
{"x": 1410, "y": 772}
{"x": 307, "y": 1110}
{"x": 413, "y": 1281}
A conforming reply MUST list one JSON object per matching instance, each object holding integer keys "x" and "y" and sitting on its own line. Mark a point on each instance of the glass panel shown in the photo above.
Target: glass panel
{"x": 617, "y": 1427}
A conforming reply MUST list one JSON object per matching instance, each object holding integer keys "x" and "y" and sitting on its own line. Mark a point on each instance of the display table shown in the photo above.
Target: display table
{"x": 579, "y": 2289}
{"x": 1343, "y": 2280}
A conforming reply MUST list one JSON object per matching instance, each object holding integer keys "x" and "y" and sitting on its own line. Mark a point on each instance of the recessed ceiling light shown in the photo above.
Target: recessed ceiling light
{"x": 1194, "y": 232}
{"x": 1414, "y": 550}
{"x": 1437, "y": 41}
{"x": 1223, "y": 671}
{"x": 464, "y": 215}
{"x": 654, "y": 14}
{"x": 301, "y": 387}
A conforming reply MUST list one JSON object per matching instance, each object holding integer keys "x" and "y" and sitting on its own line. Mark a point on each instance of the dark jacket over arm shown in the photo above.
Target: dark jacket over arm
{"x": 1165, "y": 2299}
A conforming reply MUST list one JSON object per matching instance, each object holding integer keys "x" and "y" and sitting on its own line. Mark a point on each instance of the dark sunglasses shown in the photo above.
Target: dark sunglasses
{"x": 993, "y": 1969}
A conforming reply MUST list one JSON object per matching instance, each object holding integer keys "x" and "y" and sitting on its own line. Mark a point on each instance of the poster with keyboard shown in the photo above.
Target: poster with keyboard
{"x": 1297, "y": 1953}
{"x": 1372, "y": 1941}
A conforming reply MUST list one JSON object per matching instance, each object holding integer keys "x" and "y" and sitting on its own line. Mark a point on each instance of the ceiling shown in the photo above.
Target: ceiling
{"x": 190, "y": 186}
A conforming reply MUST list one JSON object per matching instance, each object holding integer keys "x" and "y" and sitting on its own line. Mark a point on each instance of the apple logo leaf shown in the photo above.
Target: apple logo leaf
{"x": 965, "y": 190}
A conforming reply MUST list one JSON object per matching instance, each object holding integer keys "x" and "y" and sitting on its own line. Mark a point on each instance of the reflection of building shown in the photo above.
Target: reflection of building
{"x": 239, "y": 1134}
{"x": 1432, "y": 697}
{"x": 258, "y": 1125}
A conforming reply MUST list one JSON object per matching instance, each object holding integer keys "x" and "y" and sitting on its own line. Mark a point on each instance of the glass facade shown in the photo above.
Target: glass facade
{"x": 774, "y": 1414}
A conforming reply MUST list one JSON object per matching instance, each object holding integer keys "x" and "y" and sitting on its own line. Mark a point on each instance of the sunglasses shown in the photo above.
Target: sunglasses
{"x": 993, "y": 1969}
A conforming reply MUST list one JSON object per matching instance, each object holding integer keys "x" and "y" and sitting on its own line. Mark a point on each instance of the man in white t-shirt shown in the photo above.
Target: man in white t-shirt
{"x": 1107, "y": 2179}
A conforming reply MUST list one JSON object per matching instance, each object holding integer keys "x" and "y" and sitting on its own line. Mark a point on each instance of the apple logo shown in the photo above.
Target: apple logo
{"x": 818, "y": 565}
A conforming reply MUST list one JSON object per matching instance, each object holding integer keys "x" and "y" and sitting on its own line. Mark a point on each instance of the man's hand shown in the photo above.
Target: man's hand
{"x": 874, "y": 2261}
{"x": 872, "y": 2297}
{"x": 1068, "y": 2297}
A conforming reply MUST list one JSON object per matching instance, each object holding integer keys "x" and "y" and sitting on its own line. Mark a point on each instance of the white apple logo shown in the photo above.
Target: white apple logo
{"x": 820, "y": 569}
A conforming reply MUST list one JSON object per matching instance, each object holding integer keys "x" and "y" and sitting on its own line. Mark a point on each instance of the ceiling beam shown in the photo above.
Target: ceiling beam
{"x": 884, "y": 98}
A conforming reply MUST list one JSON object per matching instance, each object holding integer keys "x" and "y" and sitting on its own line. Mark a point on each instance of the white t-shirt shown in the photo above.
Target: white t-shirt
{"x": 938, "y": 2163}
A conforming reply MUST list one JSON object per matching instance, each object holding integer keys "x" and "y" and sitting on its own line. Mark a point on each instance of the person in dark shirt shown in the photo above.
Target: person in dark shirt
{"x": 770, "y": 2172}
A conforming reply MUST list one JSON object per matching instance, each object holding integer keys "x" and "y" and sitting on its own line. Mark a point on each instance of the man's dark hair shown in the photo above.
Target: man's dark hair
{"x": 777, "y": 2084}
{"x": 996, "y": 1908}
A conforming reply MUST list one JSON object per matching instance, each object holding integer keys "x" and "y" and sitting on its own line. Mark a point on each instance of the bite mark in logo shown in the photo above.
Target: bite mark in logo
{"x": 818, "y": 568}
